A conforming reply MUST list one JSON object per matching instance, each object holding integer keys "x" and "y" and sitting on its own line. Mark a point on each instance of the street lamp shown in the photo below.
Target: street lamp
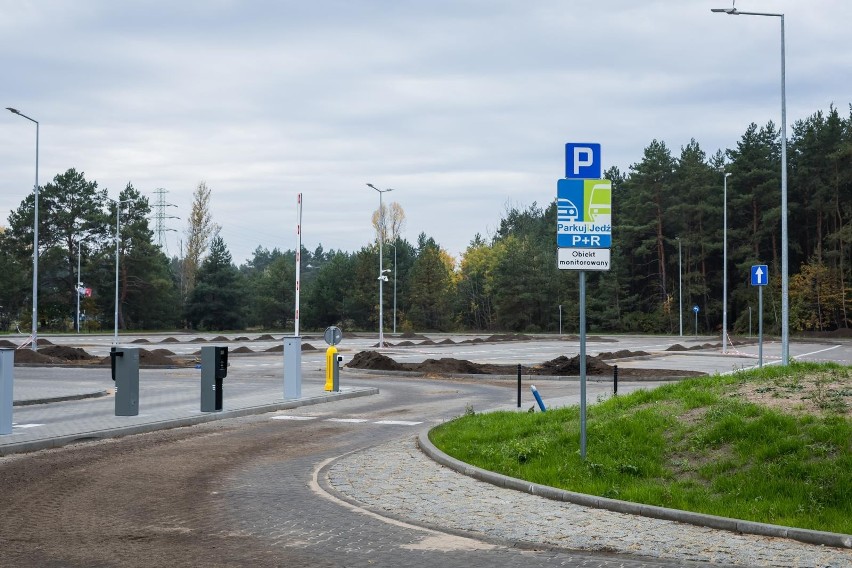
{"x": 118, "y": 203}
{"x": 79, "y": 286}
{"x": 35, "y": 236}
{"x": 725, "y": 266}
{"x": 785, "y": 295}
{"x": 394, "y": 286}
{"x": 679, "y": 284}
{"x": 382, "y": 276}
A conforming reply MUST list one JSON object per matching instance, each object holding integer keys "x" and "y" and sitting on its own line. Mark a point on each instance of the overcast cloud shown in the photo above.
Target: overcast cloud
{"x": 461, "y": 106}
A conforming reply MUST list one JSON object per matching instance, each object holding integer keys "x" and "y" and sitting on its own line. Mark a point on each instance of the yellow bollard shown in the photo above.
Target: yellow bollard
{"x": 330, "y": 362}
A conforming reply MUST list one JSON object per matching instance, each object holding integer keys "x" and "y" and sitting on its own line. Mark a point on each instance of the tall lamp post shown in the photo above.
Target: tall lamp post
{"x": 785, "y": 293}
{"x": 679, "y": 285}
{"x": 79, "y": 282}
{"x": 118, "y": 203}
{"x": 725, "y": 265}
{"x": 35, "y": 235}
{"x": 382, "y": 276}
{"x": 394, "y": 287}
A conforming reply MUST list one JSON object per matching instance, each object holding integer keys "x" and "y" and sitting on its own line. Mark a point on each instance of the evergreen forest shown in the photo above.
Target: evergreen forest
{"x": 667, "y": 256}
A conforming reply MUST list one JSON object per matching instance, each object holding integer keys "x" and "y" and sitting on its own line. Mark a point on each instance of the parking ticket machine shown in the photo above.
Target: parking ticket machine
{"x": 214, "y": 368}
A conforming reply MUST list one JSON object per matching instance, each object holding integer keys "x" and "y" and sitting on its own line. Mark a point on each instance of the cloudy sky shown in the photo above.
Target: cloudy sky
{"x": 462, "y": 106}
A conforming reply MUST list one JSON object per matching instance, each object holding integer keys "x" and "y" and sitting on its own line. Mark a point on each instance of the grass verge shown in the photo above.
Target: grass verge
{"x": 771, "y": 445}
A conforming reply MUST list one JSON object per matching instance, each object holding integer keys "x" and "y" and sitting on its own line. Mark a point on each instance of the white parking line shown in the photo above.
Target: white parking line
{"x": 294, "y": 417}
{"x": 398, "y": 422}
{"x": 349, "y": 420}
{"x": 26, "y": 425}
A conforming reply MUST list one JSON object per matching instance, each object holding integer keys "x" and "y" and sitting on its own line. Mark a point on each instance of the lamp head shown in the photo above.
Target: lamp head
{"x": 729, "y": 11}
{"x": 727, "y": 174}
{"x": 16, "y": 111}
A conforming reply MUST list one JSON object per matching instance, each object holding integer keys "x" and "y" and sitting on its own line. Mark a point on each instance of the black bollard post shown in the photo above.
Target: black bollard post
{"x": 615, "y": 379}
{"x": 519, "y": 385}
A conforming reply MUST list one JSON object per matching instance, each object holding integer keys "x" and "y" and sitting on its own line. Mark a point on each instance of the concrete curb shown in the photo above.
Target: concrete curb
{"x": 80, "y": 396}
{"x": 723, "y": 523}
{"x": 58, "y": 442}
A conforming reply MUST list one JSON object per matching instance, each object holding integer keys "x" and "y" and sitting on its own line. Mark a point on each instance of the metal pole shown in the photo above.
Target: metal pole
{"x": 760, "y": 326}
{"x": 749, "y": 321}
{"x": 298, "y": 260}
{"x": 560, "y": 320}
{"x": 680, "y": 285}
{"x": 583, "y": 364}
{"x": 77, "y": 288}
{"x": 117, "y": 240}
{"x": 394, "y": 288}
{"x": 381, "y": 272}
{"x": 34, "y": 345}
{"x": 519, "y": 385}
{"x": 725, "y": 266}
{"x": 785, "y": 293}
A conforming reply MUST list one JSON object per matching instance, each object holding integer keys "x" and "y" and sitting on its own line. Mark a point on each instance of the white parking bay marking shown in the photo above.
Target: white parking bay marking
{"x": 351, "y": 420}
{"x": 294, "y": 417}
{"x": 398, "y": 422}
{"x": 26, "y": 425}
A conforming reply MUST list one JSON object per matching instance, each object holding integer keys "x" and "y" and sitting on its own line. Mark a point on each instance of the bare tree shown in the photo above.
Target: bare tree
{"x": 199, "y": 231}
{"x": 389, "y": 222}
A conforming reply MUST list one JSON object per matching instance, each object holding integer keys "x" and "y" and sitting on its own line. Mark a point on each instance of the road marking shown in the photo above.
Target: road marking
{"x": 351, "y": 420}
{"x": 294, "y": 417}
{"x": 26, "y": 425}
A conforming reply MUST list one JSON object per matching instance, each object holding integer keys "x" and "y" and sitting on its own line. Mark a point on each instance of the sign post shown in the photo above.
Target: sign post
{"x": 695, "y": 311}
{"x": 759, "y": 278}
{"x": 583, "y": 234}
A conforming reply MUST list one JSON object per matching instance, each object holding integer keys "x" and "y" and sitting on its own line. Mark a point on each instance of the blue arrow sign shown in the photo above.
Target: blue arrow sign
{"x": 759, "y": 275}
{"x": 695, "y": 309}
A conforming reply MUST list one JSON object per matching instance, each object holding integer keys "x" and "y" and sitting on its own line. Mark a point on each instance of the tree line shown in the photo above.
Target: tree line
{"x": 667, "y": 255}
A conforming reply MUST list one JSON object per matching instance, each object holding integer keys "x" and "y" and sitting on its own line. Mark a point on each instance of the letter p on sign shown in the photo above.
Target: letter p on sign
{"x": 582, "y": 160}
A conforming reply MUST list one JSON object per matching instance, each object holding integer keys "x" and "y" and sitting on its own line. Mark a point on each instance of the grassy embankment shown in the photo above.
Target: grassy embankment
{"x": 771, "y": 445}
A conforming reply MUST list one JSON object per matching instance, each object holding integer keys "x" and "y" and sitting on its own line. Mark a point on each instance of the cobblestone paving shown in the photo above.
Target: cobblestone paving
{"x": 399, "y": 480}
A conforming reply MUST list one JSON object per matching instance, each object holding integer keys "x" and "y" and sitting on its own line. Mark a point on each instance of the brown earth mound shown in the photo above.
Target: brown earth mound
{"x": 374, "y": 361}
{"x": 148, "y": 359}
{"x": 676, "y": 347}
{"x": 140, "y": 340}
{"x": 412, "y": 335}
{"x": 66, "y": 353}
{"x": 242, "y": 349}
{"x": 241, "y": 338}
{"x": 405, "y": 344}
{"x": 220, "y": 338}
{"x": 266, "y": 337}
{"x": 509, "y": 337}
{"x": 170, "y": 340}
{"x": 427, "y": 342}
{"x": 563, "y": 366}
{"x": 446, "y": 341}
{"x": 163, "y": 352}
{"x": 278, "y": 349}
{"x": 198, "y": 340}
{"x": 622, "y": 354}
{"x": 308, "y": 347}
{"x": 7, "y": 343}
{"x": 449, "y": 365}
{"x": 34, "y": 357}
{"x": 42, "y": 341}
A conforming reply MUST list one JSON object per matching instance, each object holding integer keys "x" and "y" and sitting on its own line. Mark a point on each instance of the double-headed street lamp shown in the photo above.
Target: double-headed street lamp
{"x": 34, "y": 337}
{"x": 785, "y": 295}
{"x": 394, "y": 285}
{"x": 382, "y": 276}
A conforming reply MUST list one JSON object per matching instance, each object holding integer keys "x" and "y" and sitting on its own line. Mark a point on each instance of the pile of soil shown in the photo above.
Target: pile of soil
{"x": 427, "y": 342}
{"x": 308, "y": 347}
{"x": 140, "y": 340}
{"x": 148, "y": 359}
{"x": 266, "y": 337}
{"x": 170, "y": 340}
{"x": 278, "y": 349}
{"x": 27, "y": 355}
{"x": 164, "y": 352}
{"x": 198, "y": 340}
{"x": 241, "y": 338}
{"x": 7, "y": 343}
{"x": 405, "y": 344}
{"x": 242, "y": 349}
{"x": 412, "y": 335}
{"x": 220, "y": 338}
{"x": 446, "y": 341}
{"x": 67, "y": 353}
{"x": 622, "y": 354}
{"x": 374, "y": 361}
{"x": 509, "y": 337}
{"x": 561, "y": 366}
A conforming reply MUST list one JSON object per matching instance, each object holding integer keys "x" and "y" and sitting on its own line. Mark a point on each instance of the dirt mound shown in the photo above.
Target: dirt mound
{"x": 374, "y": 361}
{"x": 170, "y": 340}
{"x": 220, "y": 338}
{"x": 241, "y": 338}
{"x": 622, "y": 354}
{"x": 405, "y": 344}
{"x": 448, "y": 365}
{"x": 7, "y": 343}
{"x": 446, "y": 341}
{"x": 265, "y": 337}
{"x": 148, "y": 359}
{"x": 198, "y": 340}
{"x": 308, "y": 347}
{"x": 427, "y": 342}
{"x": 563, "y": 366}
{"x": 42, "y": 341}
{"x": 34, "y": 357}
{"x": 278, "y": 349}
{"x": 242, "y": 349}
{"x": 509, "y": 337}
{"x": 677, "y": 347}
{"x": 163, "y": 352}
{"x": 412, "y": 335}
{"x": 140, "y": 340}
{"x": 66, "y": 353}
